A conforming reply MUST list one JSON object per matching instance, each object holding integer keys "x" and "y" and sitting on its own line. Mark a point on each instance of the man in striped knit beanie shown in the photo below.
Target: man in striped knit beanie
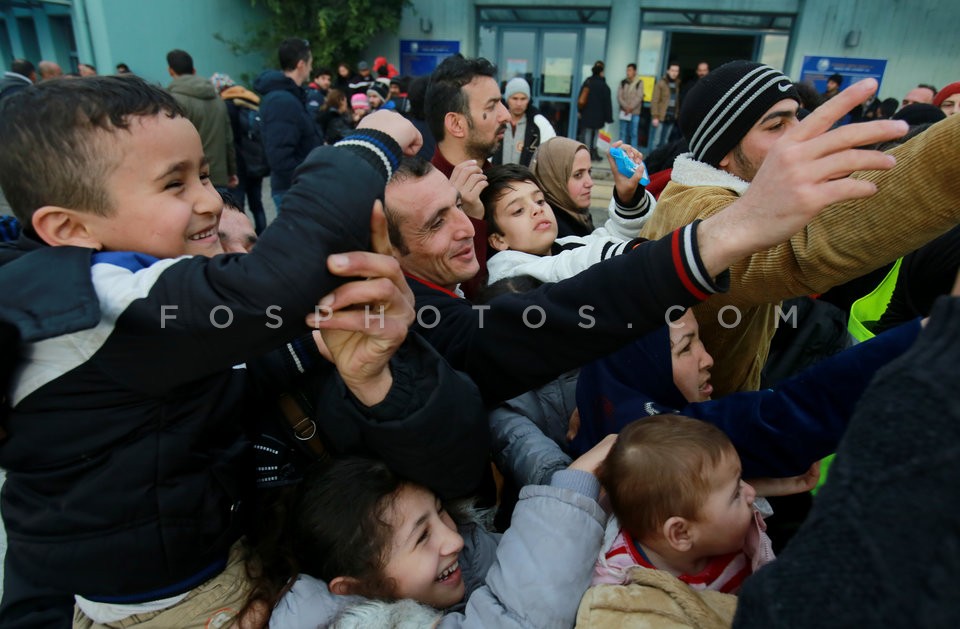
{"x": 731, "y": 119}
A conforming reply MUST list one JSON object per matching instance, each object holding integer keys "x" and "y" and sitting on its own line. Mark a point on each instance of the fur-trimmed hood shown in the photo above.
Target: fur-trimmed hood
{"x": 690, "y": 172}
{"x": 402, "y": 614}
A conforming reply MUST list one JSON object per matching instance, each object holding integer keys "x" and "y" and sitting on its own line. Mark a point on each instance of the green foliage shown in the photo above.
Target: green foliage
{"x": 338, "y": 30}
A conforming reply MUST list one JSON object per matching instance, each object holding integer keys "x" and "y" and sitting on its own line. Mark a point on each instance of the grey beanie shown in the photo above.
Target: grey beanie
{"x": 724, "y": 105}
{"x": 516, "y": 85}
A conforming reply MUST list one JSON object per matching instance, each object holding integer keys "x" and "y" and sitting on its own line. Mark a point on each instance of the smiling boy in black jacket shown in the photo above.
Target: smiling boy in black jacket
{"x": 127, "y": 466}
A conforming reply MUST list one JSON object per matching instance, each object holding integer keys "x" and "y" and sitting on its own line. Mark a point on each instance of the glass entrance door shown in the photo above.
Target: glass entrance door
{"x": 549, "y": 59}
{"x": 557, "y": 90}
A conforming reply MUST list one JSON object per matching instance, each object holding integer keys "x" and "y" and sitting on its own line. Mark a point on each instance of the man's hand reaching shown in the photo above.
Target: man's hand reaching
{"x": 363, "y": 322}
{"x": 469, "y": 180}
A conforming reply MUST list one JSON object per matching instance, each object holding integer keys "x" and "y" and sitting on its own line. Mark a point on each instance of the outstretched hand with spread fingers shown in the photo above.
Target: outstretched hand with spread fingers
{"x": 806, "y": 170}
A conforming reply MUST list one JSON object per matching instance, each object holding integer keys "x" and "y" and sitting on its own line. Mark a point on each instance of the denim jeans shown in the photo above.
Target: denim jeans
{"x": 590, "y": 138}
{"x": 277, "y": 198}
{"x": 629, "y": 130}
{"x": 661, "y": 134}
{"x": 251, "y": 189}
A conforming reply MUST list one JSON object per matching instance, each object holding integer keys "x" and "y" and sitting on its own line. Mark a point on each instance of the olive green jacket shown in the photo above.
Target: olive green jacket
{"x": 208, "y": 113}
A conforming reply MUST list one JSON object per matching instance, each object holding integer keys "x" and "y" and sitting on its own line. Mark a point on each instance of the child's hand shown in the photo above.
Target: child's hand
{"x": 397, "y": 127}
{"x": 787, "y": 486}
{"x": 590, "y": 460}
{"x": 626, "y": 186}
{"x": 469, "y": 180}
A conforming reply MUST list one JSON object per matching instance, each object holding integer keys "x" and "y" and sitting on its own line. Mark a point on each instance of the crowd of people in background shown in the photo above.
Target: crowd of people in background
{"x": 201, "y": 427}
{"x": 336, "y": 101}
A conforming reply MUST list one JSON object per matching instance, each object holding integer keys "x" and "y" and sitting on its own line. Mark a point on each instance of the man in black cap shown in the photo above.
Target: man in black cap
{"x": 731, "y": 119}
{"x": 362, "y": 82}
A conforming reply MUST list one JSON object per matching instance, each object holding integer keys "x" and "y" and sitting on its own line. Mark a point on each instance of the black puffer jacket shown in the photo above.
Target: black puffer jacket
{"x": 335, "y": 125}
{"x": 126, "y": 461}
{"x": 289, "y": 132}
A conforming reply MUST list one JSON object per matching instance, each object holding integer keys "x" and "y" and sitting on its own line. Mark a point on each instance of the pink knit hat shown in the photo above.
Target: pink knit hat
{"x": 945, "y": 93}
{"x": 359, "y": 102}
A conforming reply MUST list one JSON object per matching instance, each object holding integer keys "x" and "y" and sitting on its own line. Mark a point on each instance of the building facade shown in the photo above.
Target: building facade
{"x": 554, "y": 43}
{"x": 138, "y": 33}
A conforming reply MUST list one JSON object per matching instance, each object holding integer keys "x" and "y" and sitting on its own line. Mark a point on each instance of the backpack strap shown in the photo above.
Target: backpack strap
{"x": 297, "y": 413}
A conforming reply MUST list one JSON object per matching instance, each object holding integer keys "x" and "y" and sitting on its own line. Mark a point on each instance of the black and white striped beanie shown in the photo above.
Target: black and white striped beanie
{"x": 723, "y": 106}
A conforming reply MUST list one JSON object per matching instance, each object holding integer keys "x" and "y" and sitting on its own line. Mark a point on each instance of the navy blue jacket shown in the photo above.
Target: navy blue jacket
{"x": 777, "y": 432}
{"x": 289, "y": 132}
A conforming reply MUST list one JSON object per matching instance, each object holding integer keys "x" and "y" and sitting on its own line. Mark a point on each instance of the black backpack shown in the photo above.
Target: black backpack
{"x": 251, "y": 143}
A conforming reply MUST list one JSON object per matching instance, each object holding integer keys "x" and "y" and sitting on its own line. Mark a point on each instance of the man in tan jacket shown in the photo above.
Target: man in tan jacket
{"x": 665, "y": 106}
{"x": 731, "y": 119}
{"x": 630, "y": 99}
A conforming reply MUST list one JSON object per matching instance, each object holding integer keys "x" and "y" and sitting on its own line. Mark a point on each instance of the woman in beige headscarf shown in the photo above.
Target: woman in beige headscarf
{"x": 563, "y": 168}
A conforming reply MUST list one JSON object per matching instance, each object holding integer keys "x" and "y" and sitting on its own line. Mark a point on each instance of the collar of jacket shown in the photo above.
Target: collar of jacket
{"x": 456, "y": 293}
{"x": 690, "y": 172}
{"x": 60, "y": 292}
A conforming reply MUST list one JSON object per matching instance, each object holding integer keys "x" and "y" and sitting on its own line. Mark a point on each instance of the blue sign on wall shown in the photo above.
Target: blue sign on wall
{"x": 815, "y": 70}
{"x": 420, "y": 56}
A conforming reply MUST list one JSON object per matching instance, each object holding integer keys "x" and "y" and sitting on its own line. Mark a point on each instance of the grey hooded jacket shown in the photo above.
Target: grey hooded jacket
{"x": 560, "y": 526}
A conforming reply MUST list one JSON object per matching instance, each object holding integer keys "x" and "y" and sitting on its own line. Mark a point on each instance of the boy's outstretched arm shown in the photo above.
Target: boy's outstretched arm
{"x": 209, "y": 314}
